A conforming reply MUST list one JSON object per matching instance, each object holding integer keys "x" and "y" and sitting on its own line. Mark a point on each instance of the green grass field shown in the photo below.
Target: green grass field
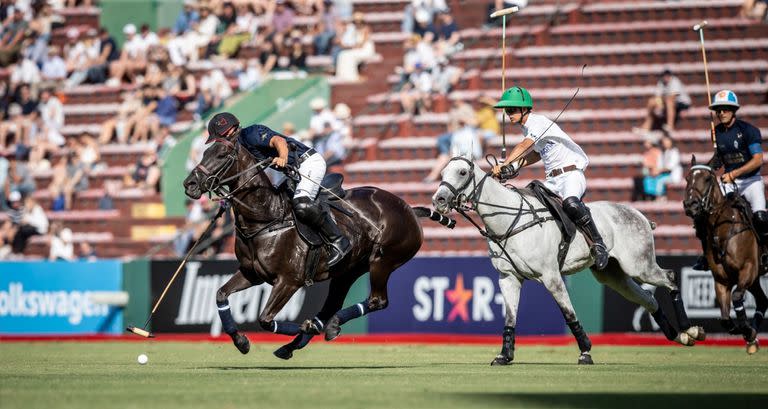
{"x": 215, "y": 375}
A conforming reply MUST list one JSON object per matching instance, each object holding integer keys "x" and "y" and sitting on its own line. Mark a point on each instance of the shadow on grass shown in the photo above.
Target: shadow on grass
{"x": 303, "y": 368}
{"x": 516, "y": 363}
{"x": 618, "y": 400}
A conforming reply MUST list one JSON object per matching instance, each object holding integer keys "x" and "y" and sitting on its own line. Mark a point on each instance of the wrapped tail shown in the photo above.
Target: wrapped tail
{"x": 433, "y": 215}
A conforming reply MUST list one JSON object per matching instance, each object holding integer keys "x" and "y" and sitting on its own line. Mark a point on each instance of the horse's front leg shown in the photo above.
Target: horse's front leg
{"x": 238, "y": 282}
{"x": 723, "y": 296}
{"x": 510, "y": 290}
{"x": 282, "y": 291}
{"x": 556, "y": 286}
{"x": 742, "y": 326}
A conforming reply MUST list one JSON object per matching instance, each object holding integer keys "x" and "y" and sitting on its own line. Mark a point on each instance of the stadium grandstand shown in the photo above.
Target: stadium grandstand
{"x": 123, "y": 111}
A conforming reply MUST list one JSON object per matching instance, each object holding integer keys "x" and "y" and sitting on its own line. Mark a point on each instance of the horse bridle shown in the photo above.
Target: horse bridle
{"x": 460, "y": 198}
{"x": 706, "y": 197}
{"x": 213, "y": 182}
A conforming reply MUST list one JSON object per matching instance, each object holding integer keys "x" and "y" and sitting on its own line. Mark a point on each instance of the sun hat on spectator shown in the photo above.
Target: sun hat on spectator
{"x": 14, "y": 196}
{"x": 485, "y": 99}
{"x": 66, "y": 235}
{"x": 73, "y": 33}
{"x": 422, "y": 16}
{"x": 358, "y": 16}
{"x": 318, "y": 103}
{"x": 342, "y": 111}
{"x": 129, "y": 29}
{"x": 92, "y": 32}
{"x": 190, "y": 3}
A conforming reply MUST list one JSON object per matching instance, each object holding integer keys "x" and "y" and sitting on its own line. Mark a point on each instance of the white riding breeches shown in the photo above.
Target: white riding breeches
{"x": 568, "y": 184}
{"x": 312, "y": 171}
{"x": 752, "y": 188}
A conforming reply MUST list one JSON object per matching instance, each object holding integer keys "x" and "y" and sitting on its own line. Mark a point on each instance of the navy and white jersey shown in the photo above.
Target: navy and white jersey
{"x": 256, "y": 139}
{"x": 736, "y": 145}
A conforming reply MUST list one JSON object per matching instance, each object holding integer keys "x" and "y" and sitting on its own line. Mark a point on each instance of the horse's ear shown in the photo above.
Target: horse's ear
{"x": 693, "y": 160}
{"x": 715, "y": 162}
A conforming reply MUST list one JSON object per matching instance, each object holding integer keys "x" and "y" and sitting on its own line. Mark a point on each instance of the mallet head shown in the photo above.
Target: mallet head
{"x": 140, "y": 332}
{"x": 504, "y": 12}
{"x": 701, "y": 25}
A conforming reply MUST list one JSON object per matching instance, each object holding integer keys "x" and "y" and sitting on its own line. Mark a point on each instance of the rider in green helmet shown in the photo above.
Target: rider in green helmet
{"x": 564, "y": 162}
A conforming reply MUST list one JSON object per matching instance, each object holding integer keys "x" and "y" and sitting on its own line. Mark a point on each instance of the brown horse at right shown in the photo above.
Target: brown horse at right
{"x": 731, "y": 247}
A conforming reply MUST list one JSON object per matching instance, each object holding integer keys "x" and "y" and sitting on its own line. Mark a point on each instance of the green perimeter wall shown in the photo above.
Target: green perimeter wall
{"x": 136, "y": 284}
{"x": 587, "y": 299}
{"x": 273, "y": 104}
{"x": 358, "y": 293}
{"x": 157, "y": 13}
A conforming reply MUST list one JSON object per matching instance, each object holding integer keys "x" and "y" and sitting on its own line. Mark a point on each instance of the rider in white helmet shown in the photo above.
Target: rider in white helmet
{"x": 739, "y": 148}
{"x": 564, "y": 162}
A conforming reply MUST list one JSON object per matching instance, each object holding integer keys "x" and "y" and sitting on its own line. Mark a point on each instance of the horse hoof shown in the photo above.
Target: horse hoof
{"x": 310, "y": 327}
{"x": 284, "y": 352}
{"x": 241, "y": 343}
{"x": 332, "y": 329}
{"x": 752, "y": 337}
{"x": 501, "y": 360}
{"x": 697, "y": 333}
{"x": 753, "y": 347}
{"x": 585, "y": 359}
{"x": 685, "y": 339}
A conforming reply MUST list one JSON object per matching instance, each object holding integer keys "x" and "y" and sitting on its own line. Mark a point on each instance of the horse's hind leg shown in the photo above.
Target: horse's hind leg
{"x": 338, "y": 289}
{"x": 556, "y": 287}
{"x": 660, "y": 277}
{"x": 613, "y": 276}
{"x": 761, "y": 304}
{"x": 237, "y": 283}
{"x": 377, "y": 300}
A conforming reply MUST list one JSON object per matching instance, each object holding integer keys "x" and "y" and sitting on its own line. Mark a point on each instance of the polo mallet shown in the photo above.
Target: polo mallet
{"x": 503, "y": 14}
{"x": 143, "y": 332}
{"x": 700, "y": 28}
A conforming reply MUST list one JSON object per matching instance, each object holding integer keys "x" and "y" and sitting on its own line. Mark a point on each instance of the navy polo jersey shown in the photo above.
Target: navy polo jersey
{"x": 736, "y": 145}
{"x": 255, "y": 139}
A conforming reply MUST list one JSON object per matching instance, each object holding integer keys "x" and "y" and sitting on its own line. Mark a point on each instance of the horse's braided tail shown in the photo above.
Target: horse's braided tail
{"x": 433, "y": 215}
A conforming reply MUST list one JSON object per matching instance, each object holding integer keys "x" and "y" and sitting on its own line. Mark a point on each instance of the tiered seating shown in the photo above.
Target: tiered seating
{"x": 625, "y": 46}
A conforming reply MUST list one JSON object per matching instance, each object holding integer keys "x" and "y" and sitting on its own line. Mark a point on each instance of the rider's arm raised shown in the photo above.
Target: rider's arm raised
{"x": 278, "y": 142}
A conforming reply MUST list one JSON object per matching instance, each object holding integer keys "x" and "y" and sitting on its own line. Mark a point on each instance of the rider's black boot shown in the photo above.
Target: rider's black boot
{"x": 578, "y": 212}
{"x": 339, "y": 244}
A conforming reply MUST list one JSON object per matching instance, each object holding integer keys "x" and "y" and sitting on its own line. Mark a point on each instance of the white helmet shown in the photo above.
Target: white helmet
{"x": 725, "y": 98}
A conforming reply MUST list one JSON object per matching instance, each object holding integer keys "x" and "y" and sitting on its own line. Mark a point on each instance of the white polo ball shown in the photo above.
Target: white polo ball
{"x": 142, "y": 359}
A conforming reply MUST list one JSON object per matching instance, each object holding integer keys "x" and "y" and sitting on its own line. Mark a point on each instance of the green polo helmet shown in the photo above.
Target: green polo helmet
{"x": 515, "y": 97}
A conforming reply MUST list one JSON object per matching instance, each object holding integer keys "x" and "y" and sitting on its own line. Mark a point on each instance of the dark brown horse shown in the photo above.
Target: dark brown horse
{"x": 731, "y": 246}
{"x": 383, "y": 229}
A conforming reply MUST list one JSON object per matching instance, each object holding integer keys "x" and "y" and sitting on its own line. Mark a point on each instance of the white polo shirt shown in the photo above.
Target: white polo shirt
{"x": 556, "y": 148}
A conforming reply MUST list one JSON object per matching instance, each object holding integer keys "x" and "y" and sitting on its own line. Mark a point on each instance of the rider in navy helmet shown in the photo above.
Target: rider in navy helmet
{"x": 262, "y": 142}
{"x": 739, "y": 149}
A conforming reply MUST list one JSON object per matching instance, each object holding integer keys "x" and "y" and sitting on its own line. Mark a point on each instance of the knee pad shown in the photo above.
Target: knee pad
{"x": 306, "y": 210}
{"x": 576, "y": 210}
{"x": 761, "y": 218}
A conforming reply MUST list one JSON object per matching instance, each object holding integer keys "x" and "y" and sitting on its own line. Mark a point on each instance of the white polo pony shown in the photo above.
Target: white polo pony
{"x": 523, "y": 244}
